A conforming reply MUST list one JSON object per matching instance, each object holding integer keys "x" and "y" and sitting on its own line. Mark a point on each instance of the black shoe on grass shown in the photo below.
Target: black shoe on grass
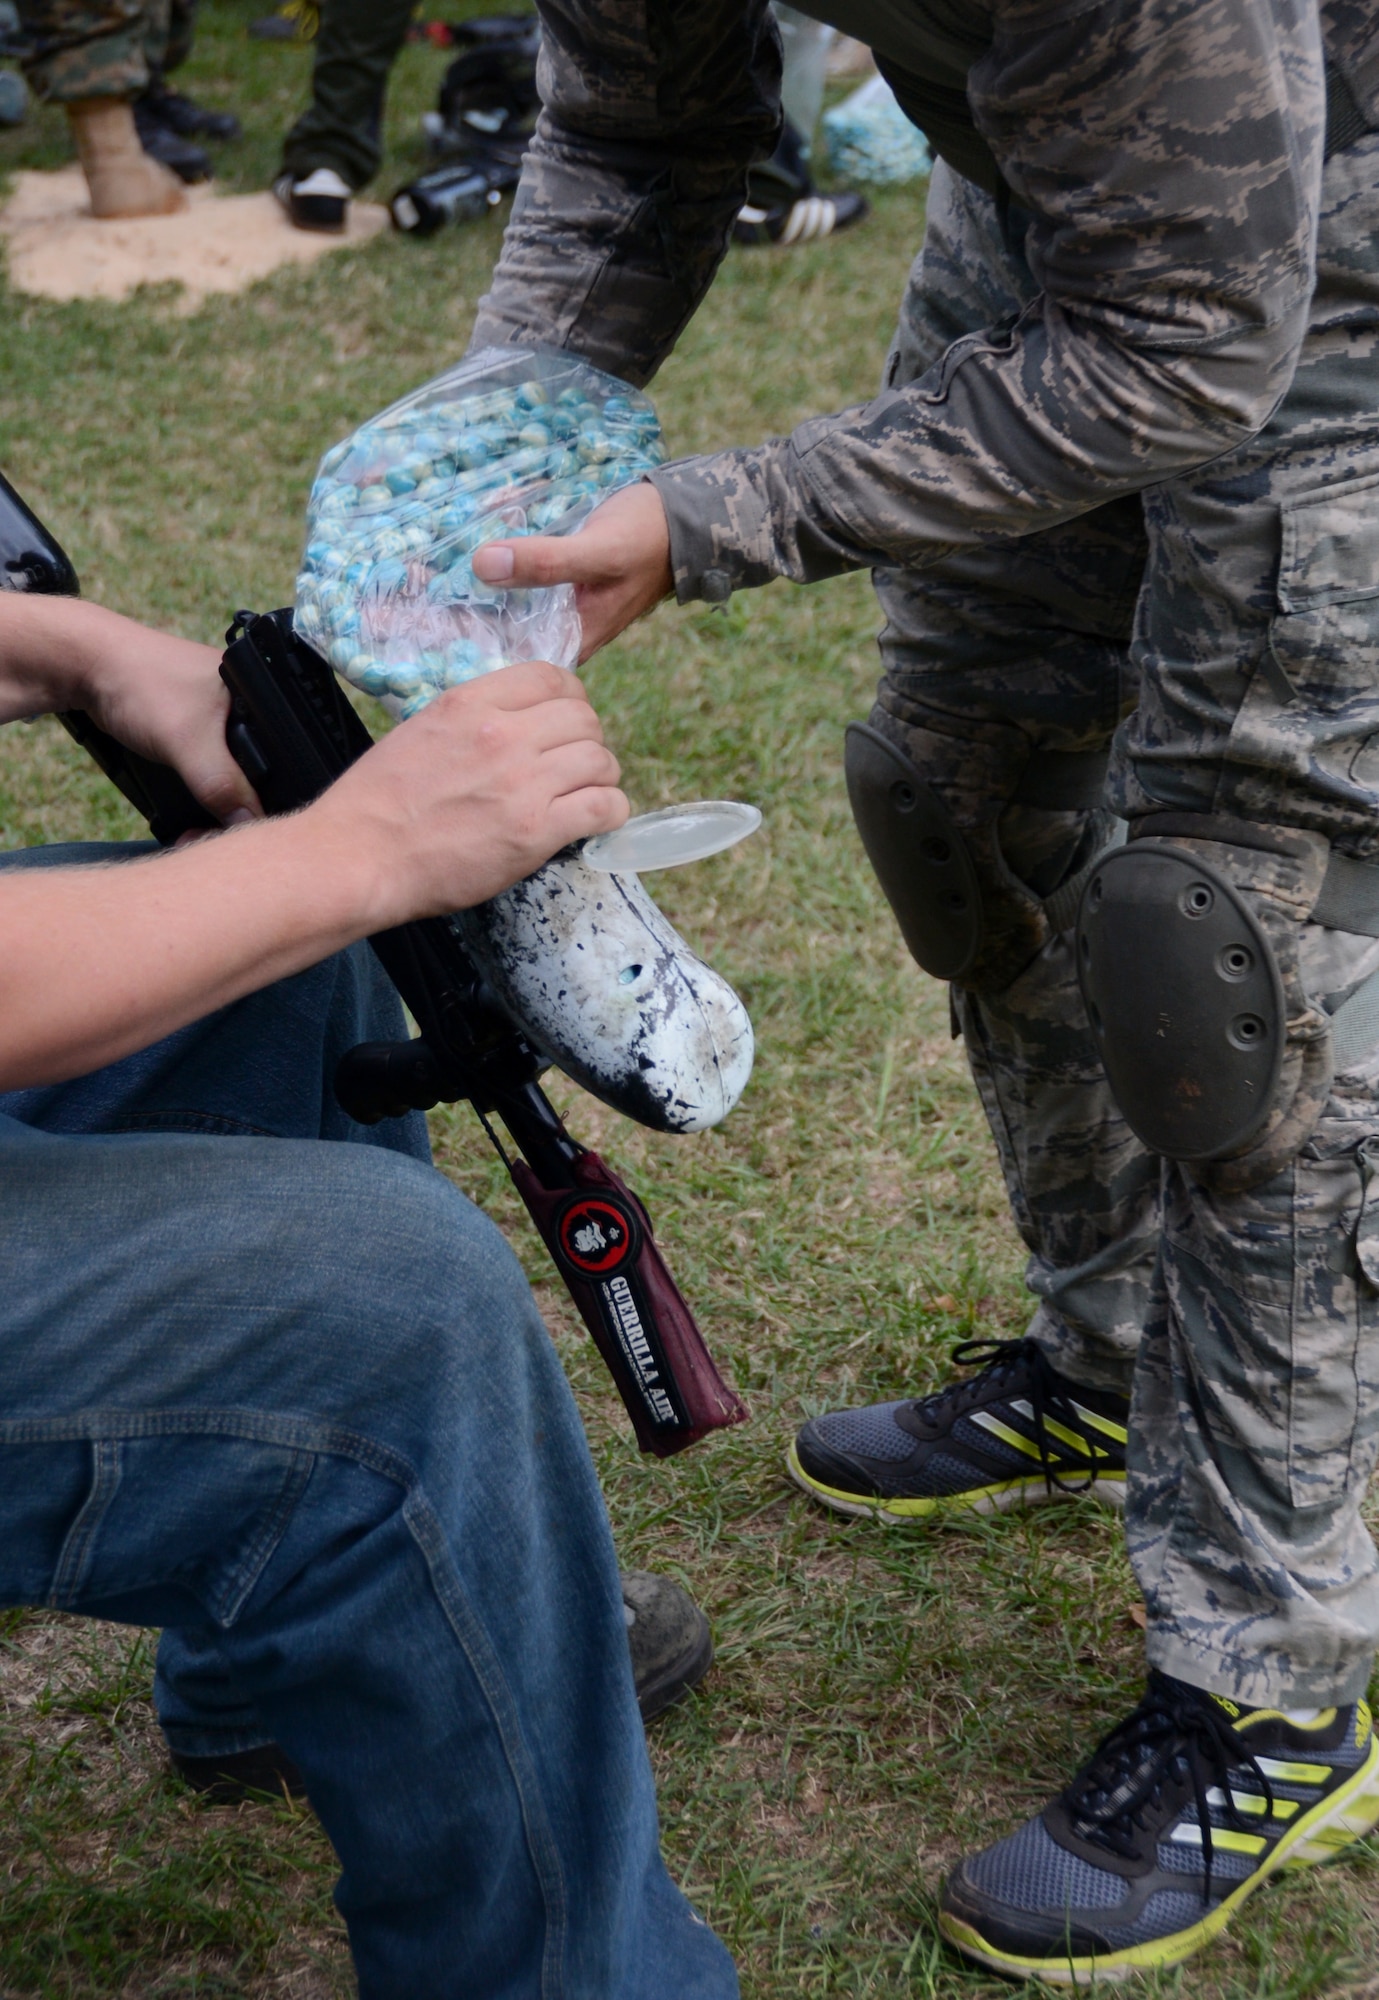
{"x": 320, "y": 200}
{"x": 188, "y": 161}
{"x": 667, "y": 1635}
{"x": 226, "y": 1780}
{"x": 1015, "y": 1432}
{"x": 672, "y": 1647}
{"x": 184, "y": 116}
{"x": 1179, "y": 1816}
{"x": 783, "y": 205}
{"x": 807, "y": 220}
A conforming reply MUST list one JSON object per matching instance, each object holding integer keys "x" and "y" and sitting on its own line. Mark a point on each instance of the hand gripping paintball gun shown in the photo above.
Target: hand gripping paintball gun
{"x": 293, "y": 731}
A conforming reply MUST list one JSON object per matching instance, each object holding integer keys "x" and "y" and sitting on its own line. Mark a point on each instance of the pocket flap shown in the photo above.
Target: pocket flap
{"x": 1330, "y": 547}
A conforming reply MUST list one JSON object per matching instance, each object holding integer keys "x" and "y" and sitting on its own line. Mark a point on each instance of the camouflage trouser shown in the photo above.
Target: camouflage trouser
{"x": 103, "y": 48}
{"x": 342, "y": 126}
{"x": 1246, "y": 1321}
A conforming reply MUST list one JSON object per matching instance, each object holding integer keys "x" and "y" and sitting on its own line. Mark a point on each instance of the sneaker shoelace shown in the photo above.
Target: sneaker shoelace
{"x": 1048, "y": 1399}
{"x": 1175, "y": 1733}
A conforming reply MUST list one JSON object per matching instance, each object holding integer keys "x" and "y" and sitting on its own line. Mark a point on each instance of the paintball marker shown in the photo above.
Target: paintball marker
{"x": 293, "y": 731}
{"x": 482, "y": 127}
{"x": 455, "y": 193}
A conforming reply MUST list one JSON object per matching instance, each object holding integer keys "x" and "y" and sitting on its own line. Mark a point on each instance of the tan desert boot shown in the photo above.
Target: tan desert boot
{"x": 123, "y": 180}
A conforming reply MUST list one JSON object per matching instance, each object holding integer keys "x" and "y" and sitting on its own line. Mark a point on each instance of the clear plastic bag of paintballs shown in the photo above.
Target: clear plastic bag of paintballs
{"x": 512, "y": 441}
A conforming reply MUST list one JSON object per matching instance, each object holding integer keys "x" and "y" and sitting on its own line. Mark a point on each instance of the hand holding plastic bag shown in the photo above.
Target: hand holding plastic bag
{"x": 518, "y": 441}
{"x": 511, "y": 442}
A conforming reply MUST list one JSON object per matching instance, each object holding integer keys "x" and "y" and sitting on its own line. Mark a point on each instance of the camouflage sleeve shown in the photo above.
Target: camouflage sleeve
{"x": 1350, "y": 30}
{"x": 652, "y": 111}
{"x": 1169, "y": 155}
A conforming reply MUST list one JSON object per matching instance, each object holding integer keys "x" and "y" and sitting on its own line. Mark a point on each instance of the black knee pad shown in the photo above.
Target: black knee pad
{"x": 921, "y": 856}
{"x": 1188, "y": 958}
{"x": 1185, "y": 998}
{"x": 963, "y": 913}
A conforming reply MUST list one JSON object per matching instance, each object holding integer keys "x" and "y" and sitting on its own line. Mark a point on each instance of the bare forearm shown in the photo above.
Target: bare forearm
{"x": 458, "y": 803}
{"x": 156, "y": 694}
{"x": 46, "y": 649}
{"x": 98, "y": 962}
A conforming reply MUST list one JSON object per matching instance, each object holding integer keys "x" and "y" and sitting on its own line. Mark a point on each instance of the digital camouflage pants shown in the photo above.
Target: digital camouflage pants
{"x": 1224, "y": 628}
{"x": 103, "y": 48}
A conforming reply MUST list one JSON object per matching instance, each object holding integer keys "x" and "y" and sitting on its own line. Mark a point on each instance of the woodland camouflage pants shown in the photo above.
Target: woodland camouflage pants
{"x": 103, "y": 48}
{"x": 1224, "y": 629}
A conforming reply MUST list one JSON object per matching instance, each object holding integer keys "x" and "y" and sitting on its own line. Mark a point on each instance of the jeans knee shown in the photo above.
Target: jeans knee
{"x": 448, "y": 1320}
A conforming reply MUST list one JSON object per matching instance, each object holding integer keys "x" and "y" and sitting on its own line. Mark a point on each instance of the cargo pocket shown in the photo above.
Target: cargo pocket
{"x": 1334, "y": 1319}
{"x": 1324, "y": 635}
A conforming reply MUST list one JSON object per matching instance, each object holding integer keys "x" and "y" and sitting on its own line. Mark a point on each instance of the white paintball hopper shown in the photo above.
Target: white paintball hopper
{"x": 609, "y": 990}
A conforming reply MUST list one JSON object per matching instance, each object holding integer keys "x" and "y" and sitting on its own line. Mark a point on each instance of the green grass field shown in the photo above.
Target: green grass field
{"x": 883, "y": 1699}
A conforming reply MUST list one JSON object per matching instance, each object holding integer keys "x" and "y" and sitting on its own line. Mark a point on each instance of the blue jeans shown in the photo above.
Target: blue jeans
{"x": 293, "y": 1402}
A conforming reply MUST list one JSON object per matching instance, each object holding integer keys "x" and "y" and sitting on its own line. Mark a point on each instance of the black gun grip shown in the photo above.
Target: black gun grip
{"x": 243, "y": 747}
{"x": 154, "y": 790}
{"x": 385, "y": 1079}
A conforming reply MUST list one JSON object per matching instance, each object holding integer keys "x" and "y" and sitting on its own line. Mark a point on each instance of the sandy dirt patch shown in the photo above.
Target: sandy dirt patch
{"x": 219, "y": 242}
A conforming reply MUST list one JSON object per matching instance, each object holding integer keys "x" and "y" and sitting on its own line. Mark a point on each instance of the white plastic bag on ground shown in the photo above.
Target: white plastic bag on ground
{"x": 870, "y": 139}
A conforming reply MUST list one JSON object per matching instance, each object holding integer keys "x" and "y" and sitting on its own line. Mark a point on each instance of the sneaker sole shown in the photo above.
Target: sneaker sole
{"x": 1334, "y": 1824}
{"x": 315, "y": 221}
{"x": 1108, "y": 1490}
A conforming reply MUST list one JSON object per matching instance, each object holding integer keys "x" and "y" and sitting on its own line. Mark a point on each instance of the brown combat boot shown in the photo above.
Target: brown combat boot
{"x": 123, "y": 180}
